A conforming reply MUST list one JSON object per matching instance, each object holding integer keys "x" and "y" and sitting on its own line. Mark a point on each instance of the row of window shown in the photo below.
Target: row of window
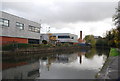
{"x": 34, "y": 29}
{"x": 5, "y": 23}
{"x": 63, "y": 37}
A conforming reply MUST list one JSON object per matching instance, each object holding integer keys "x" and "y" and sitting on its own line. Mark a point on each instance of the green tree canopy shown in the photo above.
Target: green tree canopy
{"x": 90, "y": 39}
{"x": 116, "y": 19}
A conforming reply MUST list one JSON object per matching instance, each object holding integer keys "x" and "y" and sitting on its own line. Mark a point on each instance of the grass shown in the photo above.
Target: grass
{"x": 114, "y": 52}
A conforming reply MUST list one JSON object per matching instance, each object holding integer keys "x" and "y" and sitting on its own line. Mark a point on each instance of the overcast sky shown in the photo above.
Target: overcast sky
{"x": 66, "y": 16}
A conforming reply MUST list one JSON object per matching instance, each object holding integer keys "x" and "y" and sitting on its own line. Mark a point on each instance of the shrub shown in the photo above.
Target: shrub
{"x": 15, "y": 46}
{"x": 44, "y": 42}
{"x": 66, "y": 44}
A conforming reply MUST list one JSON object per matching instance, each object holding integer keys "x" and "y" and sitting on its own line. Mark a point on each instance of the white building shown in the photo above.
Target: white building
{"x": 18, "y": 29}
{"x": 61, "y": 37}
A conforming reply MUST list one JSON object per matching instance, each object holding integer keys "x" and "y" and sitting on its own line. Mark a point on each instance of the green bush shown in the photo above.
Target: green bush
{"x": 15, "y": 46}
{"x": 59, "y": 44}
{"x": 22, "y": 45}
{"x": 44, "y": 45}
{"x": 44, "y": 42}
{"x": 66, "y": 44}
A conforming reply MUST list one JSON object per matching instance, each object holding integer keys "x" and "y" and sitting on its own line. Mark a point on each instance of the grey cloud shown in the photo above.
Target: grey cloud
{"x": 89, "y": 11}
{"x": 63, "y": 12}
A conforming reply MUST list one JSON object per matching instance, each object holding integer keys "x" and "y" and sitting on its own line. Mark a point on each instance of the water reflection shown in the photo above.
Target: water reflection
{"x": 78, "y": 65}
{"x": 21, "y": 70}
{"x": 82, "y": 52}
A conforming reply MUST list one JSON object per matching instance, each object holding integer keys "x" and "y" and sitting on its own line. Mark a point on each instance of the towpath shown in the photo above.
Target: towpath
{"x": 111, "y": 69}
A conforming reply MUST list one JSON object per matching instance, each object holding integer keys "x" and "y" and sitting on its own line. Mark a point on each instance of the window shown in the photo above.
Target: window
{"x": 34, "y": 29}
{"x": 31, "y": 28}
{"x": 4, "y": 22}
{"x": 20, "y": 25}
{"x": 63, "y": 36}
{"x": 72, "y": 38}
{"x": 37, "y": 29}
{"x": 52, "y": 36}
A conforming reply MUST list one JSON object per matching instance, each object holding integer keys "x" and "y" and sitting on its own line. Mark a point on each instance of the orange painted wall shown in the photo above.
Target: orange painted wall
{"x": 7, "y": 40}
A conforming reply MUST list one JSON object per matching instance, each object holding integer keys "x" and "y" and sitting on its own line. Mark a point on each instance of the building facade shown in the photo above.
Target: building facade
{"x": 17, "y": 29}
{"x": 60, "y": 37}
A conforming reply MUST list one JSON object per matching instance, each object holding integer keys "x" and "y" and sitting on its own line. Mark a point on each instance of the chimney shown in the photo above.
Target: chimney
{"x": 80, "y": 34}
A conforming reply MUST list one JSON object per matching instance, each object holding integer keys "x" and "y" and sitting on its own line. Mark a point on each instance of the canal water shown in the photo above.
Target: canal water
{"x": 83, "y": 64}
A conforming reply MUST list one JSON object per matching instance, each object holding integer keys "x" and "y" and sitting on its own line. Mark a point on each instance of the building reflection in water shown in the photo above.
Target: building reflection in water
{"x": 50, "y": 61}
{"x": 83, "y": 52}
{"x": 64, "y": 58}
{"x": 60, "y": 58}
{"x": 21, "y": 70}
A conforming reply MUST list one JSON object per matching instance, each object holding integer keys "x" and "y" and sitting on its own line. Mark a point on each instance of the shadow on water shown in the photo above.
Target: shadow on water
{"x": 67, "y": 65}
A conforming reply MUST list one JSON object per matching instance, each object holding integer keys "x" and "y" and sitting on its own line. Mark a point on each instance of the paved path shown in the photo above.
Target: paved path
{"x": 111, "y": 69}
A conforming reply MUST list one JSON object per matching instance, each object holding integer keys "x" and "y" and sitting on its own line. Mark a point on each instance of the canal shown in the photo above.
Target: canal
{"x": 83, "y": 64}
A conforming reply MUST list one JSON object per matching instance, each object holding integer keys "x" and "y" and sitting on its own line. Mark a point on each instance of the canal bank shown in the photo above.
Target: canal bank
{"x": 26, "y": 53}
{"x": 110, "y": 69}
{"x": 37, "y": 50}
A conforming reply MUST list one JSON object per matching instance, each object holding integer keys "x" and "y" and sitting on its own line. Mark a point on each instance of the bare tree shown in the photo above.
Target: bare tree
{"x": 116, "y": 17}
